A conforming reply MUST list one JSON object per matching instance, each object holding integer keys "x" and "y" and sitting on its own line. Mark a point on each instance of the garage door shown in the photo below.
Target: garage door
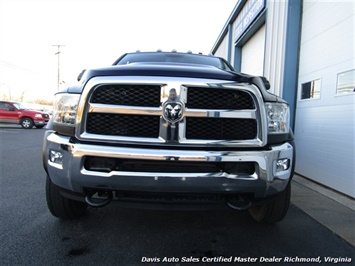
{"x": 325, "y": 125}
{"x": 253, "y": 54}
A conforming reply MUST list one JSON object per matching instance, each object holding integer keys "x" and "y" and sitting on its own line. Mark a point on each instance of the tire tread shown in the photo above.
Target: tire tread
{"x": 60, "y": 206}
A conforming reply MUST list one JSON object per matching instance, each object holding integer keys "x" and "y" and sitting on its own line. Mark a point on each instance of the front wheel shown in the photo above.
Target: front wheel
{"x": 60, "y": 206}
{"x": 26, "y": 123}
{"x": 274, "y": 211}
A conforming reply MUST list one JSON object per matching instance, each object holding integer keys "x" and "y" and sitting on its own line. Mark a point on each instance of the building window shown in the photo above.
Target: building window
{"x": 311, "y": 90}
{"x": 346, "y": 82}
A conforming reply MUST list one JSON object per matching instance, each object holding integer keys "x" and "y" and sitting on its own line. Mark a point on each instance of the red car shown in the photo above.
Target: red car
{"x": 16, "y": 113}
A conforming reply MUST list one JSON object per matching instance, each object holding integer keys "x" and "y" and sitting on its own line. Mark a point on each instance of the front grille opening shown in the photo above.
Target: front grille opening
{"x": 220, "y": 128}
{"x": 132, "y": 95}
{"x": 103, "y": 164}
{"x": 173, "y": 198}
{"x": 207, "y": 98}
{"x": 123, "y": 125}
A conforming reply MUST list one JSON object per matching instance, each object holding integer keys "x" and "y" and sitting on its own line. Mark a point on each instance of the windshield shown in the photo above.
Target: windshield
{"x": 20, "y": 106}
{"x": 175, "y": 58}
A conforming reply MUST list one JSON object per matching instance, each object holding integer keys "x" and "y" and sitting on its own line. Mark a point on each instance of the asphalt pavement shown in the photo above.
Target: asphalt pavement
{"x": 328, "y": 207}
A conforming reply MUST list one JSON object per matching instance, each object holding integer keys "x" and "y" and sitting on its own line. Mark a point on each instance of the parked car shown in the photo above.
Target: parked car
{"x": 17, "y": 113}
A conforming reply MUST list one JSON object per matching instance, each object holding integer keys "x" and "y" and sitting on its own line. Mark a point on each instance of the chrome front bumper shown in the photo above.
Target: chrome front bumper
{"x": 40, "y": 122}
{"x": 70, "y": 173}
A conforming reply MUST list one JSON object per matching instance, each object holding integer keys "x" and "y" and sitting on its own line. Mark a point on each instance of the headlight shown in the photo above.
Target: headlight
{"x": 38, "y": 115}
{"x": 64, "y": 113}
{"x": 278, "y": 116}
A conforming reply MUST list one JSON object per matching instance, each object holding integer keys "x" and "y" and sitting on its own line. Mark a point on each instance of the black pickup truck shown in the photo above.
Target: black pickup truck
{"x": 169, "y": 130}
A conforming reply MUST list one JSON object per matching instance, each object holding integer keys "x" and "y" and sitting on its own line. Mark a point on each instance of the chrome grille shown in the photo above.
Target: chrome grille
{"x": 213, "y": 113}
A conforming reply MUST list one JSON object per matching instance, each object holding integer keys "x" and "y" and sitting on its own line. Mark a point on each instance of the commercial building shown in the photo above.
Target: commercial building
{"x": 306, "y": 49}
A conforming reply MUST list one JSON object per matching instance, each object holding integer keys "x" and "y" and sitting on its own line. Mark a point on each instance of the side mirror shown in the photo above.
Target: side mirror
{"x": 81, "y": 75}
{"x": 266, "y": 83}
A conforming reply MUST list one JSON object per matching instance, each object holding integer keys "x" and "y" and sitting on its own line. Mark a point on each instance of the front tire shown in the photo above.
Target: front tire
{"x": 26, "y": 123}
{"x": 60, "y": 206}
{"x": 274, "y": 211}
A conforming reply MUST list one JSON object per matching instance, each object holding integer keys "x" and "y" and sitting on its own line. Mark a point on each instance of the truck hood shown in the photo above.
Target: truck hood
{"x": 172, "y": 70}
{"x": 166, "y": 70}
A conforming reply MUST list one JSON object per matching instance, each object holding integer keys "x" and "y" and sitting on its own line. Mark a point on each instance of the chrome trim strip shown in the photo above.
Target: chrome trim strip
{"x": 113, "y": 109}
{"x": 113, "y": 139}
{"x": 247, "y": 114}
{"x": 172, "y": 175}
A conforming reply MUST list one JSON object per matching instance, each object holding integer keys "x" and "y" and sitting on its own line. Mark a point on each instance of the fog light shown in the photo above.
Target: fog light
{"x": 56, "y": 157}
{"x": 282, "y": 165}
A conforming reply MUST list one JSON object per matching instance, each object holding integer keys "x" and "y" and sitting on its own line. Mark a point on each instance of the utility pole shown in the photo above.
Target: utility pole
{"x": 58, "y": 53}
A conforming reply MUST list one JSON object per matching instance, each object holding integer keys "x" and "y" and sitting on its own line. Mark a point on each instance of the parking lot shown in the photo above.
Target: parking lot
{"x": 30, "y": 235}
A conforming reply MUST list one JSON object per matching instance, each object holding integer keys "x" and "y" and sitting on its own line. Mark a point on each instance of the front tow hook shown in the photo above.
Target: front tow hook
{"x": 102, "y": 200}
{"x": 239, "y": 203}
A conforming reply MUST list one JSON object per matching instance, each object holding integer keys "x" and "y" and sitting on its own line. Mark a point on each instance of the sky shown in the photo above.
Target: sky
{"x": 94, "y": 34}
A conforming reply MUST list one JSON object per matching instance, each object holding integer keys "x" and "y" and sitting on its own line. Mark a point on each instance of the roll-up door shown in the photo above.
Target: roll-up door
{"x": 253, "y": 54}
{"x": 325, "y": 125}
